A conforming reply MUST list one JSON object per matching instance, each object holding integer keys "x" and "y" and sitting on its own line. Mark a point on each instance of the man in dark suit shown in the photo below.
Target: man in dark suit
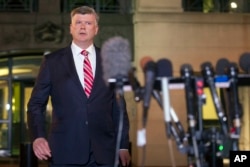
{"x": 84, "y": 127}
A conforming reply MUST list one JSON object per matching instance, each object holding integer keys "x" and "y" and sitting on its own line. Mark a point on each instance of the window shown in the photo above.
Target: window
{"x": 101, "y": 6}
{"x": 18, "y": 5}
{"x": 225, "y": 6}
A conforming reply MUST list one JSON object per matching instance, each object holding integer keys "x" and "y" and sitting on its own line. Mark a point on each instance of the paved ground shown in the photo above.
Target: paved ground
{"x": 14, "y": 162}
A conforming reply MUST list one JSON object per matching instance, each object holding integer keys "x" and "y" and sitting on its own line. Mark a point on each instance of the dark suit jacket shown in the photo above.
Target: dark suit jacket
{"x": 78, "y": 123}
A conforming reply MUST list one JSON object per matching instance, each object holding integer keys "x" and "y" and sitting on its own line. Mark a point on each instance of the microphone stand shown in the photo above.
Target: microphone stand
{"x": 236, "y": 112}
{"x": 166, "y": 104}
{"x": 179, "y": 134}
{"x": 208, "y": 74}
{"x": 209, "y": 78}
{"x": 119, "y": 93}
{"x": 200, "y": 101}
{"x": 187, "y": 73}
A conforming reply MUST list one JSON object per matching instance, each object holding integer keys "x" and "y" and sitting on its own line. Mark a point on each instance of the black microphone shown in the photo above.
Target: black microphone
{"x": 235, "y": 103}
{"x": 220, "y": 70}
{"x": 136, "y": 87}
{"x": 149, "y": 69}
{"x": 244, "y": 62}
{"x": 221, "y": 66}
{"x": 222, "y": 76}
{"x": 187, "y": 74}
{"x": 208, "y": 74}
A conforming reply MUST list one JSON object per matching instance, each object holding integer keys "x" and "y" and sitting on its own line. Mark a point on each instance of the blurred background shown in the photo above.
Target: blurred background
{"x": 183, "y": 31}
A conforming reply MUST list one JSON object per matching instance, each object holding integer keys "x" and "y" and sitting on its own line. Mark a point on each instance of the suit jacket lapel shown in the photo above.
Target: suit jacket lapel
{"x": 98, "y": 74}
{"x": 68, "y": 61}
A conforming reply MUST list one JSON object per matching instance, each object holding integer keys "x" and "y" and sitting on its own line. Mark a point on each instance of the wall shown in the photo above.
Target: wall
{"x": 48, "y": 29}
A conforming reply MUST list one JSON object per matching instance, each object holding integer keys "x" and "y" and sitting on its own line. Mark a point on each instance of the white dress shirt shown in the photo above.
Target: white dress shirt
{"x": 79, "y": 58}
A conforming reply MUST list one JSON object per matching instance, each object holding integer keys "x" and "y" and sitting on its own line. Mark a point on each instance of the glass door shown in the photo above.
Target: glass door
{"x": 18, "y": 71}
{"x": 5, "y": 119}
{"x": 20, "y": 96}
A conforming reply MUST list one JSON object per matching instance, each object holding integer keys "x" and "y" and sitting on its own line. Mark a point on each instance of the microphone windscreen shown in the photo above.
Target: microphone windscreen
{"x": 116, "y": 58}
{"x": 221, "y": 66}
{"x": 164, "y": 68}
{"x": 206, "y": 65}
{"x": 244, "y": 62}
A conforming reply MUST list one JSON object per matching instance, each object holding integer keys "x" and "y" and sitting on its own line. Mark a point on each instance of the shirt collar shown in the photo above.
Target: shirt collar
{"x": 77, "y": 50}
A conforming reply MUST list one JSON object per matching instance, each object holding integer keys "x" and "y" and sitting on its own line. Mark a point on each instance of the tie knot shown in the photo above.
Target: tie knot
{"x": 84, "y": 53}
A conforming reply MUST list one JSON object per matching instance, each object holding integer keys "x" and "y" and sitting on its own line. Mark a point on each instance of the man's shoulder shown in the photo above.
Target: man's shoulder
{"x": 59, "y": 52}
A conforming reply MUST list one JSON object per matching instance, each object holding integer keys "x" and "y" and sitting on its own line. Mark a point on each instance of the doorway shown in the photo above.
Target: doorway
{"x": 21, "y": 93}
{"x": 17, "y": 77}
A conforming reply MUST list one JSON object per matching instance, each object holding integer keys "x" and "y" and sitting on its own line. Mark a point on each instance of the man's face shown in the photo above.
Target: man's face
{"x": 83, "y": 28}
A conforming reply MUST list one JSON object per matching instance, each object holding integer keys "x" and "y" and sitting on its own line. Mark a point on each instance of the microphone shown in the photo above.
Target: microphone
{"x": 148, "y": 66}
{"x": 149, "y": 69}
{"x": 116, "y": 58}
{"x": 221, "y": 66}
{"x": 244, "y": 62}
{"x": 220, "y": 70}
{"x": 235, "y": 104}
{"x": 208, "y": 74}
{"x": 187, "y": 73}
{"x": 136, "y": 87}
{"x": 164, "y": 70}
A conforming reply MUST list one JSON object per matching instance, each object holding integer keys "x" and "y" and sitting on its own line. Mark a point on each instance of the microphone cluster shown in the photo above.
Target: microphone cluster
{"x": 158, "y": 78}
{"x": 199, "y": 140}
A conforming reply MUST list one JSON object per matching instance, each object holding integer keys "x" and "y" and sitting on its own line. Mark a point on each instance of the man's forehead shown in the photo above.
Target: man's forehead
{"x": 87, "y": 15}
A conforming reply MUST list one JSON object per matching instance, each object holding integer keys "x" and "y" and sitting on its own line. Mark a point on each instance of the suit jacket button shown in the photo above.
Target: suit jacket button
{"x": 86, "y": 122}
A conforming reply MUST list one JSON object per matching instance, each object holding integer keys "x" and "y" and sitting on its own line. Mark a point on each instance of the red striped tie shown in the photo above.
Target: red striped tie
{"x": 87, "y": 72}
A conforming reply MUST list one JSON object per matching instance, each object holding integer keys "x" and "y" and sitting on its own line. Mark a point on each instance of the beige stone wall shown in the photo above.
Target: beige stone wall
{"x": 191, "y": 38}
